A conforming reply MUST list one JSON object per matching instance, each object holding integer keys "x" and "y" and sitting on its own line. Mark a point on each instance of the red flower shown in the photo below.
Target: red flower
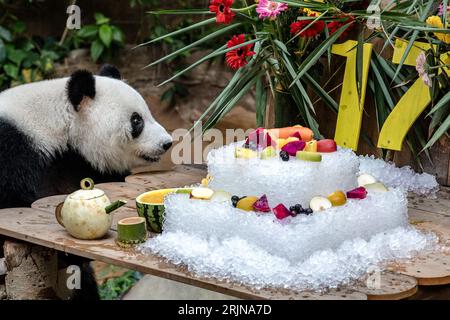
{"x": 334, "y": 26}
{"x": 237, "y": 58}
{"x": 312, "y": 31}
{"x": 222, "y": 9}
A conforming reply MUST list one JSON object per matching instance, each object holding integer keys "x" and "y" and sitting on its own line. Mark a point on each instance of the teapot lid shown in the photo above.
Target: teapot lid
{"x": 86, "y": 194}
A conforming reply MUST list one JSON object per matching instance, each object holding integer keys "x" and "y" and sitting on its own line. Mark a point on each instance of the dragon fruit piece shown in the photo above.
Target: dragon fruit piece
{"x": 262, "y": 204}
{"x": 292, "y": 147}
{"x": 259, "y": 139}
{"x": 281, "y": 212}
{"x": 297, "y": 135}
{"x": 358, "y": 193}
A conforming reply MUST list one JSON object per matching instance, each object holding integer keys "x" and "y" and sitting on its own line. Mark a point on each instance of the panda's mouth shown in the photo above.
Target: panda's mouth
{"x": 149, "y": 158}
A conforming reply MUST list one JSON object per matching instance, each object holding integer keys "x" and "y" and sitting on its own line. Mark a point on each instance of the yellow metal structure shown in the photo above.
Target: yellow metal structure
{"x": 351, "y": 107}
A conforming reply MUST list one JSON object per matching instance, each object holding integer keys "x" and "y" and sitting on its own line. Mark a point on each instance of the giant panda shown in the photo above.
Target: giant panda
{"x": 53, "y": 133}
{"x": 56, "y": 132}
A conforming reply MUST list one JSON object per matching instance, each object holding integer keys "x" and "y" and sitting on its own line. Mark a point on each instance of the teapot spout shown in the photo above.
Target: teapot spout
{"x": 114, "y": 206}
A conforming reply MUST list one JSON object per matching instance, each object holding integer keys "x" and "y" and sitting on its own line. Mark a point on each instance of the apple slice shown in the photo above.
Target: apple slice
{"x": 365, "y": 178}
{"x": 309, "y": 156}
{"x": 326, "y": 145}
{"x": 201, "y": 193}
{"x": 377, "y": 186}
{"x": 319, "y": 204}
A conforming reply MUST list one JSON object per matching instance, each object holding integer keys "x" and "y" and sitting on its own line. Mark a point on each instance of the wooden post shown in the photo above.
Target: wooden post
{"x": 31, "y": 271}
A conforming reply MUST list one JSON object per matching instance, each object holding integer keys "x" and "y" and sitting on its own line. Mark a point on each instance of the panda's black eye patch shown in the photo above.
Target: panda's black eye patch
{"x": 137, "y": 125}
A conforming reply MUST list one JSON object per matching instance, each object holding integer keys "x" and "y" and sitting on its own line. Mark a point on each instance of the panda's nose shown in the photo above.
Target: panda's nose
{"x": 166, "y": 146}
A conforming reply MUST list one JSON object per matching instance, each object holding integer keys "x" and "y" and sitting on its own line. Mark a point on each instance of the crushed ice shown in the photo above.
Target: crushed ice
{"x": 306, "y": 252}
{"x": 404, "y": 178}
{"x": 235, "y": 259}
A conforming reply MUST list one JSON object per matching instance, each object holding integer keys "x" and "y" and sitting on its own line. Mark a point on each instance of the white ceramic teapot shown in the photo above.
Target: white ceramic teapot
{"x": 86, "y": 213}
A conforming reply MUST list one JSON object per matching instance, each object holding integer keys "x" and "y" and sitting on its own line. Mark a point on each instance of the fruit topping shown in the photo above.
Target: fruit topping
{"x": 234, "y": 200}
{"x": 221, "y": 196}
{"x": 308, "y": 211}
{"x": 365, "y": 178}
{"x": 293, "y": 147}
{"x": 260, "y": 139}
{"x": 326, "y": 145}
{"x": 246, "y": 203}
{"x": 309, "y": 156}
{"x": 268, "y": 153}
{"x": 319, "y": 204}
{"x": 296, "y": 135}
{"x": 201, "y": 193}
{"x": 358, "y": 193}
{"x": 377, "y": 186}
{"x": 262, "y": 204}
{"x": 281, "y": 212}
{"x": 311, "y": 146}
{"x": 284, "y": 156}
{"x": 245, "y": 153}
{"x": 337, "y": 198}
{"x": 306, "y": 134}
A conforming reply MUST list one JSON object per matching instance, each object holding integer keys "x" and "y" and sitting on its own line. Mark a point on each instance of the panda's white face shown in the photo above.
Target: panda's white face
{"x": 115, "y": 130}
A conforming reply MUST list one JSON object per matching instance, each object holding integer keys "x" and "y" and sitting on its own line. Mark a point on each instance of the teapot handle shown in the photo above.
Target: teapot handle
{"x": 58, "y": 213}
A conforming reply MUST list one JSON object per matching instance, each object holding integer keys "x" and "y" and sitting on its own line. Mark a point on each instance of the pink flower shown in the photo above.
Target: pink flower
{"x": 441, "y": 9}
{"x": 421, "y": 62}
{"x": 270, "y": 9}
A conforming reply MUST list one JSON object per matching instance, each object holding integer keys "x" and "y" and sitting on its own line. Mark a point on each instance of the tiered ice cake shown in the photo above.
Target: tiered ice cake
{"x": 282, "y": 209}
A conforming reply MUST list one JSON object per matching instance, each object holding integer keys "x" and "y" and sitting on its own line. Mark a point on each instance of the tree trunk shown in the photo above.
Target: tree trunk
{"x": 31, "y": 271}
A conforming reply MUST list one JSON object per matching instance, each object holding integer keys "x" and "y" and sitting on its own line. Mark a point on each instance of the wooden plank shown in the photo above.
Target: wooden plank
{"x": 433, "y": 268}
{"x": 40, "y": 228}
{"x": 179, "y": 177}
{"x": 392, "y": 286}
{"x": 440, "y": 205}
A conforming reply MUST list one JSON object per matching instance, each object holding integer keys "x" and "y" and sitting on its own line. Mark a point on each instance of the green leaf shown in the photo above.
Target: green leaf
{"x": 329, "y": 101}
{"x": 445, "y": 126}
{"x": 5, "y": 34}
{"x": 2, "y": 51}
{"x": 196, "y": 43}
{"x": 444, "y": 102}
{"x": 359, "y": 63}
{"x": 261, "y": 102}
{"x": 100, "y": 18}
{"x": 220, "y": 51}
{"x": 317, "y": 53}
{"x": 87, "y": 31}
{"x": 97, "y": 49}
{"x": 105, "y": 33}
{"x": 16, "y": 56}
{"x": 117, "y": 35}
{"x": 11, "y": 70}
{"x": 412, "y": 39}
{"x": 183, "y": 30}
{"x": 18, "y": 27}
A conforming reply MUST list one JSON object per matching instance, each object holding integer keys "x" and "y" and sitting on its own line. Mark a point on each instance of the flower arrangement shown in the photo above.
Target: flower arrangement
{"x": 284, "y": 46}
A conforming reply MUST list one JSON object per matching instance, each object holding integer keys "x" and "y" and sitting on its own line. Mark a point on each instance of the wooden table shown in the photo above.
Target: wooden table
{"x": 38, "y": 226}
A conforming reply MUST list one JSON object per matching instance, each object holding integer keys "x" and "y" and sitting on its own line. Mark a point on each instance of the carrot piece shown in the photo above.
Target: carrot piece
{"x": 284, "y": 133}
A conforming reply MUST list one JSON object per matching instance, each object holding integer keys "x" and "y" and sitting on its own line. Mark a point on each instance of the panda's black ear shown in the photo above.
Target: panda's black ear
{"x": 81, "y": 84}
{"x": 110, "y": 71}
